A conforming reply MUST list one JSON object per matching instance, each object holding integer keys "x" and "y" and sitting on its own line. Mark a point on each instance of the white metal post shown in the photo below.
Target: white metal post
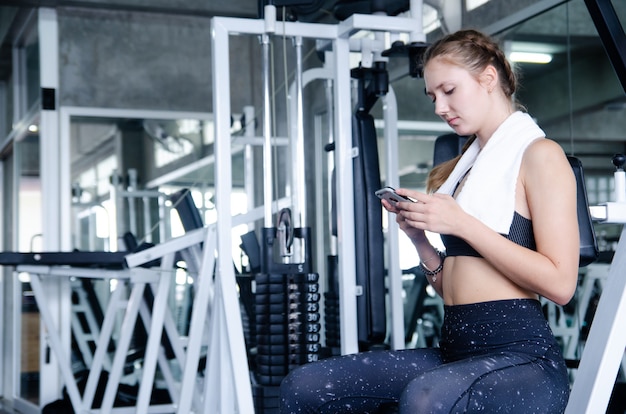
{"x": 394, "y": 275}
{"x": 50, "y": 191}
{"x": 298, "y": 160}
{"x": 267, "y": 131}
{"x": 344, "y": 153}
{"x": 225, "y": 275}
{"x": 604, "y": 349}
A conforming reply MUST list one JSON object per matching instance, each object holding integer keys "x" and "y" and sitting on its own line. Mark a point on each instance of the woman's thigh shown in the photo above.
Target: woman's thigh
{"x": 505, "y": 383}
{"x": 354, "y": 383}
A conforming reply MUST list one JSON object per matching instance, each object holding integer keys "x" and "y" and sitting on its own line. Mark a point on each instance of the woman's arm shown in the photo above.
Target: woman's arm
{"x": 550, "y": 190}
{"x": 428, "y": 255}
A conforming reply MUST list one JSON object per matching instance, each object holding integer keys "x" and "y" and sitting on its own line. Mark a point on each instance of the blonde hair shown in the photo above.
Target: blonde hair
{"x": 473, "y": 51}
{"x": 440, "y": 173}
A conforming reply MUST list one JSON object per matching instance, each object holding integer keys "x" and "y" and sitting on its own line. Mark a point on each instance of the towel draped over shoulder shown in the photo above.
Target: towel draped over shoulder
{"x": 489, "y": 190}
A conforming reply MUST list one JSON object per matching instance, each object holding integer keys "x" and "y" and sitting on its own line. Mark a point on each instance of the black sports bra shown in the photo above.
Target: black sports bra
{"x": 521, "y": 232}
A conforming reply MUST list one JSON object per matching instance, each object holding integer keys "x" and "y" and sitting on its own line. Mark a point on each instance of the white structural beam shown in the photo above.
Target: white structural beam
{"x": 605, "y": 344}
{"x": 390, "y": 112}
{"x": 604, "y": 348}
{"x": 344, "y": 153}
{"x": 50, "y": 194}
{"x": 225, "y": 276}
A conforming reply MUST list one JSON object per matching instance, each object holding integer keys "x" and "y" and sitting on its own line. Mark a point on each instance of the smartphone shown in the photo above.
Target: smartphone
{"x": 389, "y": 194}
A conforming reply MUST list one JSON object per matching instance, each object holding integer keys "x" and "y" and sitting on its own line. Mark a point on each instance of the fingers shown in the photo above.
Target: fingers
{"x": 388, "y": 206}
{"x": 415, "y": 195}
{"x": 432, "y": 212}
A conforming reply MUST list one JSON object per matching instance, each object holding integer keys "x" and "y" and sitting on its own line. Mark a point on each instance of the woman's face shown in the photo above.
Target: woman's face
{"x": 459, "y": 98}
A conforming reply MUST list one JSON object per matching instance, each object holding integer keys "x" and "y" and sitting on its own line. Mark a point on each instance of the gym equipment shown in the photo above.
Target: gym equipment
{"x": 370, "y": 269}
{"x": 137, "y": 280}
{"x": 286, "y": 315}
{"x": 604, "y": 349}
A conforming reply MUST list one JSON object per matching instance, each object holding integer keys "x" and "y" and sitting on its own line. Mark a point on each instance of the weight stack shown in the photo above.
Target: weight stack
{"x": 287, "y": 319}
{"x": 331, "y": 311}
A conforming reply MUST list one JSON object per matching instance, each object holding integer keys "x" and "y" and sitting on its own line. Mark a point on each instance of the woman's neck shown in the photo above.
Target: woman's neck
{"x": 496, "y": 118}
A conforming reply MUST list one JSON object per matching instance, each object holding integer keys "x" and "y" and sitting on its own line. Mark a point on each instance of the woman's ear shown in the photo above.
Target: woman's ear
{"x": 489, "y": 78}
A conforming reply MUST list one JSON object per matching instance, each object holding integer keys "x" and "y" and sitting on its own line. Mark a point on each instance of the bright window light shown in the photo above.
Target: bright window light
{"x": 472, "y": 4}
{"x": 530, "y": 57}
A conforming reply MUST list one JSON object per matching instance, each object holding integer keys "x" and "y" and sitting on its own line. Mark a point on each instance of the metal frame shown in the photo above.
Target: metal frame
{"x": 393, "y": 241}
{"x": 338, "y": 36}
{"x": 612, "y": 34}
{"x": 46, "y": 20}
{"x": 604, "y": 349}
{"x": 139, "y": 279}
{"x": 226, "y": 359}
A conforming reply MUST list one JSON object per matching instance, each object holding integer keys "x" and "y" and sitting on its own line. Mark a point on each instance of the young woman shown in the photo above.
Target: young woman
{"x": 506, "y": 212}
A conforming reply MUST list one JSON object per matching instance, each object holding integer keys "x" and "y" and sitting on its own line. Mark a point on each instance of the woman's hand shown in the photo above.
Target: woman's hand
{"x": 416, "y": 235}
{"x": 436, "y": 213}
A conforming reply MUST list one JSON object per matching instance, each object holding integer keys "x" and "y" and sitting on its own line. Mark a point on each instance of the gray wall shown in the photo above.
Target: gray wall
{"x": 145, "y": 60}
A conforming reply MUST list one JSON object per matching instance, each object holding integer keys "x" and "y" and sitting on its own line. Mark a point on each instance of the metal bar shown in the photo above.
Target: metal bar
{"x": 390, "y": 114}
{"x": 49, "y": 141}
{"x": 121, "y": 351}
{"x": 612, "y": 34}
{"x": 179, "y": 243}
{"x": 102, "y": 344}
{"x": 257, "y": 26}
{"x": 194, "y": 166}
{"x": 605, "y": 344}
{"x": 299, "y": 187}
{"x": 104, "y": 259}
{"x": 223, "y": 178}
{"x": 215, "y": 364}
{"x": 344, "y": 153}
{"x": 155, "y": 334}
{"x": 199, "y": 313}
{"x": 54, "y": 339}
{"x": 176, "y": 343}
{"x": 258, "y": 141}
{"x": 267, "y": 133}
{"x": 380, "y": 23}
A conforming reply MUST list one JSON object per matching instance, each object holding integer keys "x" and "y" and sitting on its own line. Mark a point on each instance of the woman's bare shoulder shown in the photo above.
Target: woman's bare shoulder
{"x": 545, "y": 154}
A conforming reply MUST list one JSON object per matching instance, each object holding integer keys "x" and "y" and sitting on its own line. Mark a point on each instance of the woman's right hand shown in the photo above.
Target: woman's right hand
{"x": 416, "y": 235}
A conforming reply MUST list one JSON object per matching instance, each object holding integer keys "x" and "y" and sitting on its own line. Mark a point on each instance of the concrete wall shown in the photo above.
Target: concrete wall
{"x": 122, "y": 59}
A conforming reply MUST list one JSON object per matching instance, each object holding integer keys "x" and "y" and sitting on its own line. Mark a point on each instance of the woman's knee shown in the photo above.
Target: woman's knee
{"x": 425, "y": 396}
{"x": 300, "y": 388}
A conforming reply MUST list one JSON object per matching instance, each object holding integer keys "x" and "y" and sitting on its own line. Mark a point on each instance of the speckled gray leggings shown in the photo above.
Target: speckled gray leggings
{"x": 494, "y": 357}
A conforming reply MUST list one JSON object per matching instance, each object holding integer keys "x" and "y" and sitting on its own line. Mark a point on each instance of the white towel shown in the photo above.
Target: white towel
{"x": 489, "y": 191}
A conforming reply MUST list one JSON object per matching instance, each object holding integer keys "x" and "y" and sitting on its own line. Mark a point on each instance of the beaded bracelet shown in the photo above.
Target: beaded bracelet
{"x": 433, "y": 273}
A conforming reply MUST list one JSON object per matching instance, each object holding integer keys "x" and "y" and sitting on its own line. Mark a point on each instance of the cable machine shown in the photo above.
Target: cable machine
{"x": 283, "y": 229}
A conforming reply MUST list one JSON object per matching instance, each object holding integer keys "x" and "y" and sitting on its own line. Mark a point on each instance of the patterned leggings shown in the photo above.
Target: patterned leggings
{"x": 494, "y": 357}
